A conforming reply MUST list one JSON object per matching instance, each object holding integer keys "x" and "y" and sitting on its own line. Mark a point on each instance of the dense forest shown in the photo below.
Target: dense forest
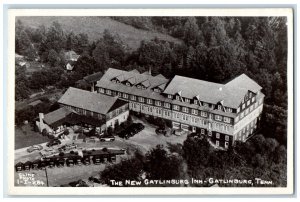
{"x": 215, "y": 49}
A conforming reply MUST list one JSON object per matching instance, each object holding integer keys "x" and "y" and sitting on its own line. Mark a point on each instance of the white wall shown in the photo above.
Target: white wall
{"x": 121, "y": 118}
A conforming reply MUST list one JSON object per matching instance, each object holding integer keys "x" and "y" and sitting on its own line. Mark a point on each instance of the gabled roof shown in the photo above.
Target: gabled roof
{"x": 35, "y": 103}
{"x": 132, "y": 80}
{"x": 105, "y": 82}
{"x": 207, "y": 91}
{"x": 243, "y": 81}
{"x": 93, "y": 77}
{"x": 57, "y": 116}
{"x": 94, "y": 102}
{"x": 135, "y": 71}
{"x": 160, "y": 76}
{"x": 146, "y": 83}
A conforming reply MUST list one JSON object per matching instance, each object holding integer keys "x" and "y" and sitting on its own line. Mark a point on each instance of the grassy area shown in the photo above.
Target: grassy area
{"x": 94, "y": 27}
{"x": 25, "y": 137}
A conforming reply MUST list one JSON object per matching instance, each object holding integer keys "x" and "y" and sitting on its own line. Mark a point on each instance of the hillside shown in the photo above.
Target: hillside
{"x": 94, "y": 27}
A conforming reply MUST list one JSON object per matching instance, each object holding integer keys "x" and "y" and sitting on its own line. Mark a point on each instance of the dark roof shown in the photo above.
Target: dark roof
{"x": 57, "y": 117}
{"x": 94, "y": 102}
{"x": 93, "y": 77}
{"x": 63, "y": 115}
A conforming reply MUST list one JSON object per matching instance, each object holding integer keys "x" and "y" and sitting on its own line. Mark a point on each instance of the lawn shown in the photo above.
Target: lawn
{"x": 25, "y": 137}
{"x": 95, "y": 26}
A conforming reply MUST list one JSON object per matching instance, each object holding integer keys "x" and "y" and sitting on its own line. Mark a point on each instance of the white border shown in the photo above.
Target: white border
{"x": 12, "y": 190}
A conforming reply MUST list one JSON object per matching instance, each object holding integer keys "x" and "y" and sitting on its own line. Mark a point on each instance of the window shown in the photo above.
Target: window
{"x": 195, "y": 102}
{"x": 253, "y": 99}
{"x": 242, "y": 115}
{"x": 226, "y": 120}
{"x": 217, "y": 143}
{"x": 176, "y": 107}
{"x": 108, "y": 92}
{"x": 141, "y": 99}
{"x": 226, "y": 137}
{"x": 202, "y": 131}
{"x": 119, "y": 94}
{"x": 125, "y": 95}
{"x": 251, "y": 108}
{"x": 218, "y": 118}
{"x": 238, "y": 110}
{"x": 248, "y": 102}
{"x": 209, "y": 133}
{"x": 167, "y": 105}
{"x": 243, "y": 106}
{"x": 101, "y": 90}
{"x": 203, "y": 114}
{"x": 229, "y": 110}
{"x": 138, "y": 86}
{"x": 177, "y": 97}
{"x": 170, "y": 96}
{"x": 128, "y": 84}
{"x": 217, "y": 126}
{"x": 185, "y": 109}
{"x": 194, "y": 111}
{"x": 219, "y": 107}
{"x": 236, "y": 119}
{"x": 246, "y": 111}
{"x": 187, "y": 100}
{"x": 149, "y": 101}
{"x": 226, "y": 144}
{"x": 133, "y": 97}
{"x": 157, "y": 103}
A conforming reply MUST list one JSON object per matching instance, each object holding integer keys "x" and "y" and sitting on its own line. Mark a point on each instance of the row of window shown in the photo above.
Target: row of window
{"x": 248, "y": 110}
{"x": 197, "y": 102}
{"x": 168, "y": 105}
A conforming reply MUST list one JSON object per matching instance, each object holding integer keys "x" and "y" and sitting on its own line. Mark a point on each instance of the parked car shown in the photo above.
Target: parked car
{"x": 67, "y": 147}
{"x": 131, "y": 130}
{"x": 107, "y": 139}
{"x": 178, "y": 132}
{"x": 34, "y": 148}
{"x": 160, "y": 131}
{"x": 91, "y": 139}
{"x": 53, "y": 143}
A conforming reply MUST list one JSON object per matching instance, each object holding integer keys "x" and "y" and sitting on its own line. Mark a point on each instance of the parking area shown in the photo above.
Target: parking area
{"x": 143, "y": 141}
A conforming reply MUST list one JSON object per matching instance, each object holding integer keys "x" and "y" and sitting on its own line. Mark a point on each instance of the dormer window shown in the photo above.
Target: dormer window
{"x": 128, "y": 84}
{"x": 117, "y": 81}
{"x": 177, "y": 97}
{"x": 138, "y": 86}
{"x": 195, "y": 102}
{"x": 170, "y": 96}
{"x": 187, "y": 100}
{"x": 219, "y": 107}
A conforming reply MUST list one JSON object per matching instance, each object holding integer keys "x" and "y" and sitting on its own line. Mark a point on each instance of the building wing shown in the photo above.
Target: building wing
{"x": 93, "y": 102}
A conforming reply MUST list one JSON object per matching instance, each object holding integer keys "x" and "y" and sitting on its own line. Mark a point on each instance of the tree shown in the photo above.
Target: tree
{"x": 130, "y": 169}
{"x": 192, "y": 34}
{"x": 161, "y": 165}
{"x": 53, "y": 58}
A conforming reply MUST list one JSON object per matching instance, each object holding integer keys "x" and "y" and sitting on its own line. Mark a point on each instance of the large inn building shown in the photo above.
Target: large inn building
{"x": 224, "y": 112}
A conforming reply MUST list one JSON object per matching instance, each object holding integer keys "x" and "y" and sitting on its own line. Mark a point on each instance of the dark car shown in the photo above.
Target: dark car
{"x": 53, "y": 143}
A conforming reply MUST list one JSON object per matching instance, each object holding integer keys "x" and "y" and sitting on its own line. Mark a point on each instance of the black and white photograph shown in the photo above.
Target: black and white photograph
{"x": 152, "y": 101}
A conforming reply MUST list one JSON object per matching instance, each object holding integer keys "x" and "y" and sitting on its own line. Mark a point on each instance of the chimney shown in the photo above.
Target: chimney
{"x": 41, "y": 124}
{"x": 150, "y": 71}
